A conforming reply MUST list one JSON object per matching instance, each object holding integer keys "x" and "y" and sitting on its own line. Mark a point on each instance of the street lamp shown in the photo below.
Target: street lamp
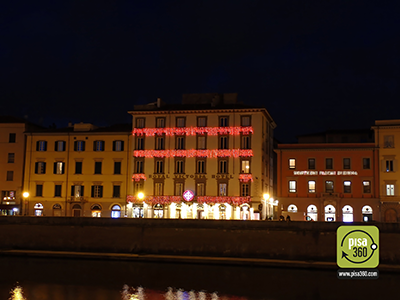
{"x": 140, "y": 196}
{"x": 26, "y": 196}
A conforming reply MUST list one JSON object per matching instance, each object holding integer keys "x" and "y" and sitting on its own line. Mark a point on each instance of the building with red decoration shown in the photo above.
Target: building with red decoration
{"x": 324, "y": 179}
{"x": 207, "y": 158}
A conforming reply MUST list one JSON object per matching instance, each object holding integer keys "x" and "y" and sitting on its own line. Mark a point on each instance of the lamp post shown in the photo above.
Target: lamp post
{"x": 141, "y": 197}
{"x": 265, "y": 206}
{"x": 26, "y": 208}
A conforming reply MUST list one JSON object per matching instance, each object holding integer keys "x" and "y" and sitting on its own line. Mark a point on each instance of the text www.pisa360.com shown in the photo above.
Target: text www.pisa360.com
{"x": 358, "y": 274}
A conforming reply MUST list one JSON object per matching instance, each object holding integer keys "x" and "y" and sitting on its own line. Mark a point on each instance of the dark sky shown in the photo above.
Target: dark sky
{"x": 315, "y": 65}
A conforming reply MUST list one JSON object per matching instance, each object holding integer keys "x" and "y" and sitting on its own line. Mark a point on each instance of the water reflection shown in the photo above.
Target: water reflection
{"x": 17, "y": 294}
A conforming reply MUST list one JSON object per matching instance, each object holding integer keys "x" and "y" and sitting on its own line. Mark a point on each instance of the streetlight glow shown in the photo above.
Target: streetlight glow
{"x": 25, "y": 194}
{"x": 140, "y": 195}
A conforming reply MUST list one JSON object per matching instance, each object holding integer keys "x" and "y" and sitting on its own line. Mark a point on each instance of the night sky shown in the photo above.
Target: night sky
{"x": 315, "y": 65}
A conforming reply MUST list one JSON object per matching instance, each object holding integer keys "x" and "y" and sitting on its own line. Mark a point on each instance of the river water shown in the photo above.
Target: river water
{"x": 74, "y": 279}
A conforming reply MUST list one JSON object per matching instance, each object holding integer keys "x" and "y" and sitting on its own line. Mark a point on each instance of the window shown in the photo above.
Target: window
{"x": 97, "y": 167}
{"x": 139, "y": 166}
{"x": 159, "y": 166}
{"x": 366, "y": 186}
{"x": 366, "y": 163}
{"x": 201, "y": 122}
{"x": 40, "y": 167}
{"x": 245, "y": 142}
{"x": 292, "y": 163}
{"x": 158, "y": 189}
{"x": 11, "y": 157}
{"x": 59, "y": 146}
{"x": 79, "y": 146}
{"x": 10, "y": 175}
{"x": 78, "y": 167}
{"x": 116, "y": 212}
{"x": 180, "y": 143}
{"x": 179, "y": 167}
{"x": 292, "y": 208}
{"x": 329, "y": 163}
{"x": 178, "y": 189}
{"x": 244, "y": 189}
{"x": 77, "y": 191}
{"x": 117, "y": 167}
{"x": 311, "y": 186}
{"x": 139, "y": 145}
{"x": 118, "y": 145}
{"x": 139, "y": 122}
{"x": 11, "y": 138}
{"x": 41, "y": 146}
{"x": 346, "y": 163}
{"x": 388, "y": 141}
{"x": 347, "y": 187}
{"x": 223, "y": 142}
{"x": 160, "y": 143}
{"x": 292, "y": 186}
{"x": 98, "y": 146}
{"x": 222, "y": 190}
{"x": 311, "y": 163}
{"x": 223, "y": 121}
{"x": 116, "y": 191}
{"x": 389, "y": 189}
{"x": 97, "y": 191}
{"x": 39, "y": 190}
{"x": 160, "y": 122}
{"x": 57, "y": 190}
{"x": 223, "y": 167}
{"x": 329, "y": 186}
{"x": 201, "y": 166}
{"x": 389, "y": 165}
{"x": 8, "y": 195}
{"x": 180, "y": 122}
{"x": 201, "y": 189}
{"x": 201, "y": 142}
{"x": 245, "y": 166}
{"x": 58, "y": 167}
{"x": 245, "y": 121}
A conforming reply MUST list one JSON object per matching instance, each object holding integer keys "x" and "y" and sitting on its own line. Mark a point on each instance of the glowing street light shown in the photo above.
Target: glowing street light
{"x": 25, "y": 194}
{"x": 140, "y": 195}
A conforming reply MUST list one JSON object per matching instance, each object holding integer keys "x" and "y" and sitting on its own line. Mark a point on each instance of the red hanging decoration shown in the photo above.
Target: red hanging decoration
{"x": 233, "y": 130}
{"x": 138, "y": 177}
{"x": 245, "y": 178}
{"x": 194, "y": 153}
{"x": 152, "y": 200}
{"x": 221, "y": 200}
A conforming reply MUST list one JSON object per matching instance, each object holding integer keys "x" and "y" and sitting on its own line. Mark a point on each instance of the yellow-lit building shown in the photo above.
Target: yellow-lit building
{"x": 207, "y": 158}
{"x": 12, "y": 147}
{"x": 387, "y": 140}
{"x": 81, "y": 170}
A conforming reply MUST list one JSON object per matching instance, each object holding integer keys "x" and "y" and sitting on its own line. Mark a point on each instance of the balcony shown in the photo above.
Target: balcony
{"x": 77, "y": 199}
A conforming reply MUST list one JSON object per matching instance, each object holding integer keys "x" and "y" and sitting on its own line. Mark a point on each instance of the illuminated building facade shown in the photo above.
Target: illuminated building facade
{"x": 81, "y": 170}
{"x": 387, "y": 140}
{"x": 207, "y": 158}
{"x": 328, "y": 181}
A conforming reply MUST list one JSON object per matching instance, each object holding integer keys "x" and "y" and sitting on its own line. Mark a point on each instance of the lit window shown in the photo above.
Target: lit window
{"x": 311, "y": 186}
{"x": 77, "y": 191}
{"x": 292, "y": 186}
{"x": 40, "y": 167}
{"x": 389, "y": 189}
{"x": 58, "y": 168}
{"x": 347, "y": 186}
{"x": 222, "y": 191}
{"x": 292, "y": 208}
{"x": 346, "y": 163}
{"x": 367, "y": 187}
{"x": 245, "y": 166}
{"x": 8, "y": 195}
{"x": 96, "y": 211}
{"x": 292, "y": 163}
{"x": 116, "y": 212}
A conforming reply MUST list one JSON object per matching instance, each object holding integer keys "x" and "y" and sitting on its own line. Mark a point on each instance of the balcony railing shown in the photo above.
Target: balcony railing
{"x": 77, "y": 199}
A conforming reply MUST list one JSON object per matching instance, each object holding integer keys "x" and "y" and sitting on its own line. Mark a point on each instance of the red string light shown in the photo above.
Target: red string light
{"x": 152, "y": 200}
{"x": 245, "y": 178}
{"x": 194, "y": 153}
{"x": 226, "y": 199}
{"x": 138, "y": 177}
{"x": 233, "y": 130}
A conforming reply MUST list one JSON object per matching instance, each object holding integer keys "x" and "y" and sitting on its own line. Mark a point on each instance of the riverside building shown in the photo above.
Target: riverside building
{"x": 79, "y": 171}
{"x": 207, "y": 158}
{"x": 325, "y": 180}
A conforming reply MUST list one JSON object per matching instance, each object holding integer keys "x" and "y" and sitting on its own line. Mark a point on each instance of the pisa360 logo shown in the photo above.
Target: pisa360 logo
{"x": 357, "y": 247}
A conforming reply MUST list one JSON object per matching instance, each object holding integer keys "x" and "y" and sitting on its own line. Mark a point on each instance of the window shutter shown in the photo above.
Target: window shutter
{"x": 36, "y": 167}
{"x": 44, "y": 168}
{"x": 83, "y": 145}
{"x": 55, "y": 168}
{"x": 122, "y": 145}
{"x": 114, "y": 142}
{"x": 37, "y": 146}
{"x": 64, "y": 146}
{"x": 94, "y": 146}
{"x": 82, "y": 190}
{"x": 75, "y": 146}
{"x": 62, "y": 167}
{"x": 45, "y": 145}
{"x": 101, "y": 191}
{"x": 72, "y": 190}
{"x": 55, "y": 145}
{"x": 92, "y": 191}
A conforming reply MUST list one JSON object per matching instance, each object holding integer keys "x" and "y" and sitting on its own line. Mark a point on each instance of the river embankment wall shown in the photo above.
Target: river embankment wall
{"x": 307, "y": 241}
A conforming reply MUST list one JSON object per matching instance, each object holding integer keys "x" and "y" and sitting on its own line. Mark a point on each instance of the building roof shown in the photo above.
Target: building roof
{"x": 125, "y": 127}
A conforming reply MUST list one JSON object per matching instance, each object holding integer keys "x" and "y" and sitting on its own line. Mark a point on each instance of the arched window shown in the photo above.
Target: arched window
{"x": 347, "y": 213}
{"x": 57, "y": 210}
{"x": 116, "y": 212}
{"x": 245, "y": 212}
{"x": 137, "y": 211}
{"x": 330, "y": 213}
{"x": 96, "y": 211}
{"x": 76, "y": 210}
{"x": 158, "y": 211}
{"x": 367, "y": 213}
{"x": 38, "y": 209}
{"x": 312, "y": 213}
{"x": 292, "y": 208}
{"x": 222, "y": 212}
